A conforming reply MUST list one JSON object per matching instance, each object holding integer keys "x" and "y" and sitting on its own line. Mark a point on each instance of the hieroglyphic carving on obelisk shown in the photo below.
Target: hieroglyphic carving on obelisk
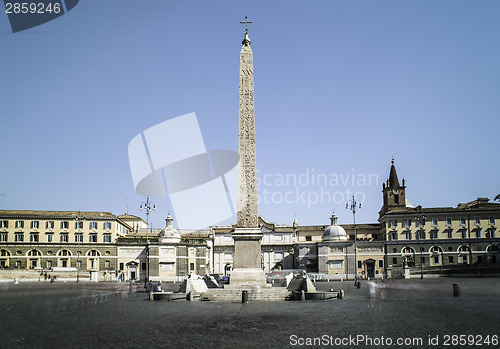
{"x": 247, "y": 173}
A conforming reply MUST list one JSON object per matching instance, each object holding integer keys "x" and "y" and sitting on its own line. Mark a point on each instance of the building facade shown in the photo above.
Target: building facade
{"x": 103, "y": 246}
{"x": 437, "y": 240}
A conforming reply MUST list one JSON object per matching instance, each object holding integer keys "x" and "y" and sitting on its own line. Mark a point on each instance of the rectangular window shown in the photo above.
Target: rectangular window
{"x": 93, "y": 225}
{"x": 107, "y": 225}
{"x": 33, "y": 237}
{"x": 492, "y": 220}
{"x": 394, "y": 236}
{"x": 64, "y": 237}
{"x": 49, "y": 225}
{"x": 477, "y": 221}
{"x": 478, "y": 232}
{"x": 107, "y": 264}
{"x": 360, "y": 264}
{"x": 448, "y": 221}
{"x": 64, "y": 263}
{"x": 450, "y": 259}
{"x": 64, "y": 225}
{"x": 143, "y": 266}
{"x": 408, "y": 235}
{"x": 3, "y": 237}
{"x": 35, "y": 224}
{"x": 449, "y": 234}
{"x": 434, "y": 222}
{"x": 464, "y": 259}
{"x": 463, "y": 221}
{"x": 121, "y": 266}
{"x": 492, "y": 233}
{"x": 393, "y": 223}
{"x": 434, "y": 234}
{"x": 49, "y": 237}
{"x": 191, "y": 266}
{"x": 78, "y": 264}
{"x": 464, "y": 234}
{"x": 78, "y": 225}
{"x": 394, "y": 260}
{"x": 19, "y": 237}
{"x": 4, "y": 224}
{"x": 420, "y": 235}
{"x": 407, "y": 223}
{"x": 436, "y": 259}
{"x": 49, "y": 264}
{"x": 106, "y": 238}
{"x": 308, "y": 238}
{"x": 92, "y": 237}
{"x": 19, "y": 224}
{"x": 79, "y": 237}
{"x": 380, "y": 263}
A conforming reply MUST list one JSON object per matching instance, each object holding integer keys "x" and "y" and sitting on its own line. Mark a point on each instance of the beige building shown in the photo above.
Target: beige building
{"x": 73, "y": 241}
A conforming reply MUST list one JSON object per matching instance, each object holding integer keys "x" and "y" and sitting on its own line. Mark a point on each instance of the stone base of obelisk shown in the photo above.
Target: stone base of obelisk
{"x": 247, "y": 267}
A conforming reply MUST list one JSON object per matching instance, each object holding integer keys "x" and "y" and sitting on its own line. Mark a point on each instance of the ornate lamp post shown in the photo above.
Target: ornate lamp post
{"x": 352, "y": 205}
{"x": 77, "y": 220}
{"x": 148, "y": 206}
{"x": 420, "y": 222}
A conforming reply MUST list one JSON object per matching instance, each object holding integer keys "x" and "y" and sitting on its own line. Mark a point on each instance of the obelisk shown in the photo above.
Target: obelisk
{"x": 247, "y": 267}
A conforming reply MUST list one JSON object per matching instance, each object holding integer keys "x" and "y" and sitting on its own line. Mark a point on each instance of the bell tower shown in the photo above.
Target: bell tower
{"x": 393, "y": 193}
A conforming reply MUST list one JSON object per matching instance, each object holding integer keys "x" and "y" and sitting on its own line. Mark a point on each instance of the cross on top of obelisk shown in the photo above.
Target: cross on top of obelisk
{"x": 246, "y": 40}
{"x": 246, "y": 22}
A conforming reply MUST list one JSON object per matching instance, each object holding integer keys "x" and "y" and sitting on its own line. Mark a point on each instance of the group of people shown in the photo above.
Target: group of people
{"x": 48, "y": 277}
{"x": 154, "y": 286}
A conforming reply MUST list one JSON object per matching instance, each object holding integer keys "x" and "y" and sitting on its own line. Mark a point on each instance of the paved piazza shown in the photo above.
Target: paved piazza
{"x": 105, "y": 315}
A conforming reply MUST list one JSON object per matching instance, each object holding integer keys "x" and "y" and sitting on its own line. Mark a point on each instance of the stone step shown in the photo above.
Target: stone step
{"x": 266, "y": 294}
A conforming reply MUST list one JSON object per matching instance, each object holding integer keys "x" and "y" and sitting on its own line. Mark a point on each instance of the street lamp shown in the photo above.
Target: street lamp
{"x": 148, "y": 206}
{"x": 352, "y": 205}
{"x": 77, "y": 226}
{"x": 420, "y": 221}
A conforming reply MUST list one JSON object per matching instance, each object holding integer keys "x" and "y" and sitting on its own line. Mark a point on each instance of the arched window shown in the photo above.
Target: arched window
{"x": 435, "y": 250}
{"x": 463, "y": 249}
{"x": 4, "y": 262}
{"x": 34, "y": 261}
{"x": 408, "y": 254}
{"x": 408, "y": 250}
{"x": 436, "y": 257}
{"x": 64, "y": 253}
{"x": 94, "y": 253}
{"x": 463, "y": 254}
{"x": 34, "y": 253}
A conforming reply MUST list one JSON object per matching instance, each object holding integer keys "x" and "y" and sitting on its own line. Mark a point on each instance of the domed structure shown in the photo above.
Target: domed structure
{"x": 169, "y": 233}
{"x": 334, "y": 232}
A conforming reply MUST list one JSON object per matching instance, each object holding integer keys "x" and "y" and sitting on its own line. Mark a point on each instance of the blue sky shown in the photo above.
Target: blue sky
{"x": 340, "y": 88}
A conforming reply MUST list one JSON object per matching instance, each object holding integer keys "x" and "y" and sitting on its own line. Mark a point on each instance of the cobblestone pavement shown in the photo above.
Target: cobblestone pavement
{"x": 104, "y": 315}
